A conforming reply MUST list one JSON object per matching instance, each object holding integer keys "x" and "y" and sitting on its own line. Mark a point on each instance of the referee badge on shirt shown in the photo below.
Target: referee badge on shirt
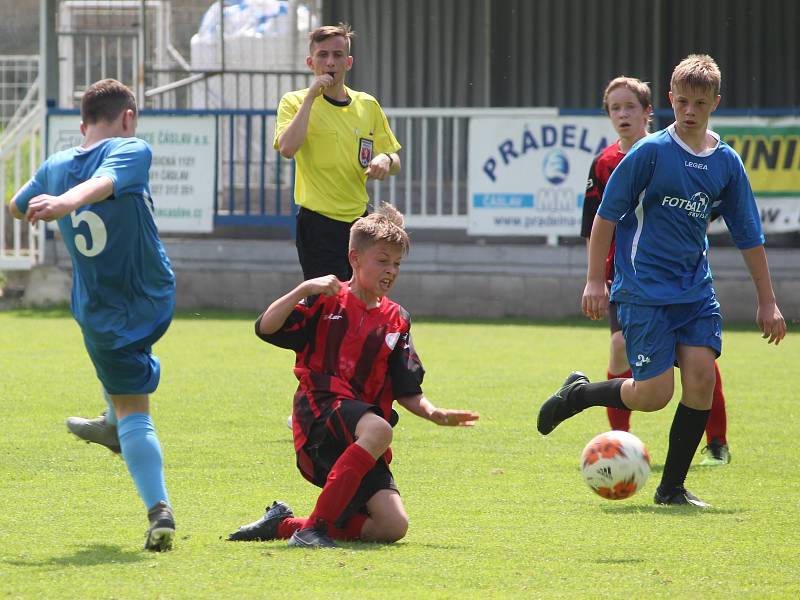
{"x": 365, "y": 151}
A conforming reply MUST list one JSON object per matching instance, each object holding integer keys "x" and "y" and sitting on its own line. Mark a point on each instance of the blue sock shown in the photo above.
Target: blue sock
{"x": 142, "y": 453}
{"x": 111, "y": 414}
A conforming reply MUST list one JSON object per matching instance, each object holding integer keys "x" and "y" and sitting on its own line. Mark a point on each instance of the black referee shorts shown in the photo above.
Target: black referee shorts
{"x": 322, "y": 245}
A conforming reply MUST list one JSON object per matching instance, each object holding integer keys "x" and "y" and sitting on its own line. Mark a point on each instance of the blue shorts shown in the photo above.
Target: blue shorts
{"x": 131, "y": 369}
{"x": 652, "y": 333}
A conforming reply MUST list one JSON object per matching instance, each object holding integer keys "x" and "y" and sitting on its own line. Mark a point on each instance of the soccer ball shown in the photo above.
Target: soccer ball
{"x": 615, "y": 464}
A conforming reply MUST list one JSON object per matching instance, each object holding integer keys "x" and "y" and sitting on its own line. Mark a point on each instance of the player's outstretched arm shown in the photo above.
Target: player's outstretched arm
{"x": 422, "y": 407}
{"x": 49, "y": 208}
{"x": 768, "y": 315}
{"x": 277, "y": 313}
{"x": 594, "y": 302}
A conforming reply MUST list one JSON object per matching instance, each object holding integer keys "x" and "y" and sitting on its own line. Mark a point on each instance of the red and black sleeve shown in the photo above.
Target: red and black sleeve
{"x": 591, "y": 200}
{"x": 405, "y": 368}
{"x": 298, "y": 327}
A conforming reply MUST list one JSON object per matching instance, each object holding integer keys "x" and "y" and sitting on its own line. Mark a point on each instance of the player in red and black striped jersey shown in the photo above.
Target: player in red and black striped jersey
{"x": 355, "y": 357}
{"x": 627, "y": 102}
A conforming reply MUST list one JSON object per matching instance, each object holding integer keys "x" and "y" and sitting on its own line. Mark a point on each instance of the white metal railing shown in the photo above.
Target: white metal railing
{"x": 17, "y": 77}
{"x": 21, "y": 245}
{"x": 431, "y": 189}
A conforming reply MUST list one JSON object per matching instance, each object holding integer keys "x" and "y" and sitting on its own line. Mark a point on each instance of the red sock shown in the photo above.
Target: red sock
{"x": 288, "y": 526}
{"x": 717, "y": 424}
{"x": 619, "y": 418}
{"x": 342, "y": 483}
{"x": 352, "y": 528}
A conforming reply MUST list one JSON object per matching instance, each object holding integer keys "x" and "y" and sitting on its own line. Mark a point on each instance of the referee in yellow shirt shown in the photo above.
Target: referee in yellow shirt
{"x": 338, "y": 137}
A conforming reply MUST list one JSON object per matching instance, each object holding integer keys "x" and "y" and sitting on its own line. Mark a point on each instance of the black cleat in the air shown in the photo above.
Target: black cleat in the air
{"x": 266, "y": 528}
{"x": 555, "y": 408}
{"x": 679, "y": 496}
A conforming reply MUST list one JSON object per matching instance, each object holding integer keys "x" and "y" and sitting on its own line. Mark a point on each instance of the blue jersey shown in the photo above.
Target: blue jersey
{"x": 661, "y": 196}
{"x": 123, "y": 287}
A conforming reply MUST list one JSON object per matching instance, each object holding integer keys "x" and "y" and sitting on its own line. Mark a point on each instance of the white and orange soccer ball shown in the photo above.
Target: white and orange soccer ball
{"x": 615, "y": 464}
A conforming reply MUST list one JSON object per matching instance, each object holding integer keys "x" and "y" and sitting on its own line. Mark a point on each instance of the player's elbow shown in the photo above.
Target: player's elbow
{"x": 286, "y": 152}
{"x": 15, "y": 212}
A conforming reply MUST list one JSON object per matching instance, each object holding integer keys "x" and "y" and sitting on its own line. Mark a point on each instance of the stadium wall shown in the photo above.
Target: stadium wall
{"x": 438, "y": 279}
{"x": 505, "y": 53}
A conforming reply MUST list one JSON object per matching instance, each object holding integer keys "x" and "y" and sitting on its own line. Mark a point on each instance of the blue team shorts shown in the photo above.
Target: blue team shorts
{"x": 652, "y": 333}
{"x": 131, "y": 369}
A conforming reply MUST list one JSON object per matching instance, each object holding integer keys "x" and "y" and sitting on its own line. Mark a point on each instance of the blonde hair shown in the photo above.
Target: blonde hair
{"x": 639, "y": 88}
{"x": 386, "y": 224}
{"x": 320, "y": 34}
{"x": 697, "y": 71}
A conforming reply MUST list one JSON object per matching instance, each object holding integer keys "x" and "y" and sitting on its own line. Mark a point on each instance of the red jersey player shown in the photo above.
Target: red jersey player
{"x": 354, "y": 358}
{"x": 627, "y": 102}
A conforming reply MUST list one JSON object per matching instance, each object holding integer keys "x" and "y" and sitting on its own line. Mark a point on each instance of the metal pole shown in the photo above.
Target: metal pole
{"x": 48, "y": 54}
{"x": 222, "y": 35}
{"x": 142, "y": 51}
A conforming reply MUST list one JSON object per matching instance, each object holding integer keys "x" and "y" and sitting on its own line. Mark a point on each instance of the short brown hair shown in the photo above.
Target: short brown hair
{"x": 697, "y": 71}
{"x": 105, "y": 100}
{"x": 320, "y": 34}
{"x": 384, "y": 225}
{"x": 639, "y": 88}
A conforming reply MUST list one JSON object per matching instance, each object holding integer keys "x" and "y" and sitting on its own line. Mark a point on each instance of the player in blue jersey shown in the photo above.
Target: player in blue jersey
{"x": 658, "y": 201}
{"x": 123, "y": 288}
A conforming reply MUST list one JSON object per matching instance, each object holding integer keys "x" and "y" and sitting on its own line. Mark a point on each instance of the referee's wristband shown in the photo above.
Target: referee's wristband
{"x": 391, "y": 160}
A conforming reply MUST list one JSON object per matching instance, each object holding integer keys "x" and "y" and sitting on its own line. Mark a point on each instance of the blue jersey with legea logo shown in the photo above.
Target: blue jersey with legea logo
{"x": 123, "y": 287}
{"x": 661, "y": 196}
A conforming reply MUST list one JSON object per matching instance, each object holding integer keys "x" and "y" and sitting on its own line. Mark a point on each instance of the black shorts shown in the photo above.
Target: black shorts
{"x": 327, "y": 440}
{"x": 613, "y": 322}
{"x": 322, "y": 245}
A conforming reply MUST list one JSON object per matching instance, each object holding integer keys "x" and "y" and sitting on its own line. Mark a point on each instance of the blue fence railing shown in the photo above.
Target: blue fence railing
{"x": 254, "y": 184}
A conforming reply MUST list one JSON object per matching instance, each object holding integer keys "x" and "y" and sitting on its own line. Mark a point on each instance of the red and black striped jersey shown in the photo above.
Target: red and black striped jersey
{"x": 347, "y": 351}
{"x": 599, "y": 174}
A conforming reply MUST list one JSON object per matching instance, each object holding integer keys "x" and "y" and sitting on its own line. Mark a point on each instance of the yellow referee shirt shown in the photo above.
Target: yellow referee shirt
{"x": 340, "y": 143}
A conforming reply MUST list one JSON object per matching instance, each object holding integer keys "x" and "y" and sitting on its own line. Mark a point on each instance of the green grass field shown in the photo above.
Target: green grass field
{"x": 496, "y": 512}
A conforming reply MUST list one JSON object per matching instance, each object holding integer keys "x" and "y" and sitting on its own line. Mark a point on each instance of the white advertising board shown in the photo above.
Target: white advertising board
{"x": 527, "y": 176}
{"x": 182, "y": 171}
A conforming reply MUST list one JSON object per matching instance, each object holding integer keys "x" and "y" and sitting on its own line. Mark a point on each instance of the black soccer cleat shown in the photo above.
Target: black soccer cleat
{"x": 162, "y": 528}
{"x": 679, "y": 496}
{"x": 266, "y": 528}
{"x": 311, "y": 537}
{"x": 555, "y": 409}
{"x": 97, "y": 431}
{"x": 717, "y": 453}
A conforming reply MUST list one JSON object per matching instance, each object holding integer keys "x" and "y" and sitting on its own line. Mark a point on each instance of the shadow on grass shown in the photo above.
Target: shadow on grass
{"x": 280, "y": 548}
{"x": 668, "y": 511}
{"x": 95, "y": 554}
{"x": 618, "y": 561}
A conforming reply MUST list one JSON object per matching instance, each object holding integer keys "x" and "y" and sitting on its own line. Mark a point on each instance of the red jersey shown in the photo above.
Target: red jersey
{"x": 599, "y": 173}
{"x": 347, "y": 351}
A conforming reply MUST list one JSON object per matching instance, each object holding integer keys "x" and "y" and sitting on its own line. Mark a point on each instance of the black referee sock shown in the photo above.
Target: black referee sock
{"x": 601, "y": 393}
{"x": 687, "y": 430}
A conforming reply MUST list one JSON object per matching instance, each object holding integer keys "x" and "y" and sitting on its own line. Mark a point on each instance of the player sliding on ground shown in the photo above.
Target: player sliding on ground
{"x": 659, "y": 200}
{"x": 354, "y": 358}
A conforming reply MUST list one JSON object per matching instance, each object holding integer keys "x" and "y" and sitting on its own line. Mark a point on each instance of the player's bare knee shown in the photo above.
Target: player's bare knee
{"x": 650, "y": 398}
{"x": 374, "y": 433}
{"x": 394, "y": 529}
{"x": 618, "y": 344}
